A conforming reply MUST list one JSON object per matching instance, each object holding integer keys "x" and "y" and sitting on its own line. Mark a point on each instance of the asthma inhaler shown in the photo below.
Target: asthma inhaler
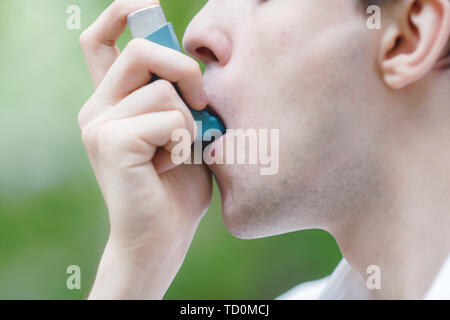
{"x": 151, "y": 24}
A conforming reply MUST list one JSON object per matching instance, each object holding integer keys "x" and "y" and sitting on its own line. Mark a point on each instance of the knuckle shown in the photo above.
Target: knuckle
{"x": 121, "y": 8}
{"x": 178, "y": 119}
{"x": 84, "y": 115}
{"x": 89, "y": 138}
{"x": 165, "y": 89}
{"x": 135, "y": 47}
{"x": 192, "y": 68}
{"x": 107, "y": 134}
{"x": 85, "y": 38}
{"x": 111, "y": 140}
{"x": 81, "y": 119}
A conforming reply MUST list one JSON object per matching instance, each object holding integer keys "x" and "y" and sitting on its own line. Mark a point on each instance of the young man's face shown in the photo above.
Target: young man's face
{"x": 308, "y": 69}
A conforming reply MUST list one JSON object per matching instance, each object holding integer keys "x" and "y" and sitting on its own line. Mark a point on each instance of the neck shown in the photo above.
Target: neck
{"x": 405, "y": 231}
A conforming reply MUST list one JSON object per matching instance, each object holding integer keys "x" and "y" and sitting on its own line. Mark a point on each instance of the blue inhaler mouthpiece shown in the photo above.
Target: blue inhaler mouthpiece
{"x": 151, "y": 24}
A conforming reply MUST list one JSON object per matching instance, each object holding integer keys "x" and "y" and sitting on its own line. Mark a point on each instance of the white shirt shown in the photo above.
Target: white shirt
{"x": 347, "y": 284}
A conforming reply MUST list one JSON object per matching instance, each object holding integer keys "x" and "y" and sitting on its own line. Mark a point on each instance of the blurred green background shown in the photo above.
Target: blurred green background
{"x": 51, "y": 211}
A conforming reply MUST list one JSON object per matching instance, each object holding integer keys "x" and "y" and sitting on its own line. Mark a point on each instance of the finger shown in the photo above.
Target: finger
{"x": 162, "y": 161}
{"x": 156, "y": 97}
{"x": 99, "y": 40}
{"x": 132, "y": 142}
{"x": 140, "y": 60}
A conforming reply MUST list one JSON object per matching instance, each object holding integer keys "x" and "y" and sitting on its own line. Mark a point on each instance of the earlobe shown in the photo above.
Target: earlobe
{"x": 413, "y": 40}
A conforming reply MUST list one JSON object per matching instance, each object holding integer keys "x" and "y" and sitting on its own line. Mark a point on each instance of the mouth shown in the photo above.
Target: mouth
{"x": 213, "y": 121}
{"x": 212, "y": 111}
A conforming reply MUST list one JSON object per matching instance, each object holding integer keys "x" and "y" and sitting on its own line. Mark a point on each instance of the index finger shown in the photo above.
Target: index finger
{"x": 99, "y": 40}
{"x": 141, "y": 60}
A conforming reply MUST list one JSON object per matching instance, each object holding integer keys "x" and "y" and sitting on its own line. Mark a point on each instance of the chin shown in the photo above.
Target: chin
{"x": 235, "y": 215}
{"x": 251, "y": 207}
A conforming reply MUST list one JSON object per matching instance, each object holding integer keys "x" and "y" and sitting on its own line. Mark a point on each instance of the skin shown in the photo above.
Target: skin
{"x": 364, "y": 136}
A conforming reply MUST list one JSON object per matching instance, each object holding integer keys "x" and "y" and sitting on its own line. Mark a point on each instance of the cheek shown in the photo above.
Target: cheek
{"x": 264, "y": 65}
{"x": 271, "y": 50}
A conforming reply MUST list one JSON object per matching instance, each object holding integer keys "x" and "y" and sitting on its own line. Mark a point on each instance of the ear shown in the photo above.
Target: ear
{"x": 415, "y": 36}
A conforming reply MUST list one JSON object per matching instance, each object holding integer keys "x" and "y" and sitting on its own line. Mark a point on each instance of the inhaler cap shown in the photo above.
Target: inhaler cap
{"x": 144, "y": 22}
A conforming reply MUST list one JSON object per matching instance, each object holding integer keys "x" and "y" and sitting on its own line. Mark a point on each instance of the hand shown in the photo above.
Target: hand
{"x": 154, "y": 207}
